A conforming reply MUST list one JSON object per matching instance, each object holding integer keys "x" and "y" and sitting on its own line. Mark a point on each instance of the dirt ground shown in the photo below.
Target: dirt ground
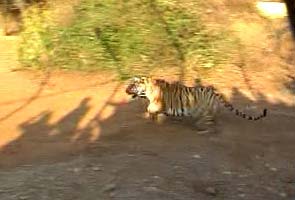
{"x": 70, "y": 135}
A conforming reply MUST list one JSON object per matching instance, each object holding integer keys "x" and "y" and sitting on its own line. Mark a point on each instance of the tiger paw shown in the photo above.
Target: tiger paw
{"x": 150, "y": 116}
{"x": 146, "y": 115}
{"x": 201, "y": 129}
{"x": 206, "y": 130}
{"x": 160, "y": 118}
{"x": 203, "y": 132}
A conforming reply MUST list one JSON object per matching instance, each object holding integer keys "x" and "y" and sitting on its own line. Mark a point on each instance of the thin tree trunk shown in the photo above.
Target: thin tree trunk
{"x": 291, "y": 14}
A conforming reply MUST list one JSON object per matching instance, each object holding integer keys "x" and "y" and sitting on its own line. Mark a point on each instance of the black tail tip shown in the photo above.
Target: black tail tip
{"x": 264, "y": 112}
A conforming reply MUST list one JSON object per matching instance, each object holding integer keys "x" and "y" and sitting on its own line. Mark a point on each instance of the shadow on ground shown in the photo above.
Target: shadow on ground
{"x": 257, "y": 154}
{"x": 38, "y": 133}
{"x": 27, "y": 102}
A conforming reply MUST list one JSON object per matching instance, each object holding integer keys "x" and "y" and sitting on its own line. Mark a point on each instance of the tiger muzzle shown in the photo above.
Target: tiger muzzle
{"x": 133, "y": 90}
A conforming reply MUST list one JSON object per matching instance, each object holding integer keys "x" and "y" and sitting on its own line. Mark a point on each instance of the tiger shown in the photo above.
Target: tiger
{"x": 200, "y": 103}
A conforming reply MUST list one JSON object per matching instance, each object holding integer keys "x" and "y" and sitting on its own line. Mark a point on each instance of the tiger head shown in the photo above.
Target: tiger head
{"x": 138, "y": 87}
{"x": 145, "y": 87}
{"x": 154, "y": 90}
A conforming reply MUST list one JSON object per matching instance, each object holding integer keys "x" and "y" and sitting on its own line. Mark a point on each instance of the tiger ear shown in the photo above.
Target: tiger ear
{"x": 143, "y": 79}
{"x": 135, "y": 79}
{"x": 153, "y": 80}
{"x": 149, "y": 80}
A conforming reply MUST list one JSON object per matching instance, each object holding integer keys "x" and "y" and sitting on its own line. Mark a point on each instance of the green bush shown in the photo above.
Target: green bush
{"x": 36, "y": 37}
{"x": 131, "y": 37}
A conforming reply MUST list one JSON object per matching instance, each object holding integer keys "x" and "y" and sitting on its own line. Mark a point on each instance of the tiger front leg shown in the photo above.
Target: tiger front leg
{"x": 153, "y": 113}
{"x": 159, "y": 118}
{"x": 150, "y": 116}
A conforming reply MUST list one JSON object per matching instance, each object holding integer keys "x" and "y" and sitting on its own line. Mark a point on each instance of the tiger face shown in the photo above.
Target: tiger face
{"x": 149, "y": 88}
{"x": 136, "y": 87}
{"x": 139, "y": 86}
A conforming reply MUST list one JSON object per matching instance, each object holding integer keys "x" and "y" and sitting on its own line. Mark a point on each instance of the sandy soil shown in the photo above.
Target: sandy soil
{"x": 67, "y": 135}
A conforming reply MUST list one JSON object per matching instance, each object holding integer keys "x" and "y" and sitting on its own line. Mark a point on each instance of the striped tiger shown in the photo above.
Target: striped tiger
{"x": 175, "y": 99}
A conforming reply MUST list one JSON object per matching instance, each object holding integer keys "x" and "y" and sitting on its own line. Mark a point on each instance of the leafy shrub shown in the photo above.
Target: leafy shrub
{"x": 131, "y": 37}
{"x": 37, "y": 36}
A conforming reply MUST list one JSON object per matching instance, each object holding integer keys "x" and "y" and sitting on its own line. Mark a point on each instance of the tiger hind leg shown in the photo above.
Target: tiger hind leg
{"x": 206, "y": 124}
{"x": 204, "y": 121}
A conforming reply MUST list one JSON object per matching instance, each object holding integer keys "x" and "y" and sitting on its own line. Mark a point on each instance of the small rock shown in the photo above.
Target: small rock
{"x": 23, "y": 197}
{"x": 227, "y": 172}
{"x": 211, "y": 191}
{"x": 96, "y": 169}
{"x": 27, "y": 165}
{"x": 109, "y": 187}
{"x": 243, "y": 175}
{"x": 112, "y": 194}
{"x": 76, "y": 170}
{"x": 257, "y": 157}
{"x": 197, "y": 156}
{"x": 149, "y": 153}
{"x": 242, "y": 195}
{"x": 269, "y": 188}
{"x": 282, "y": 194}
{"x": 273, "y": 169}
{"x": 151, "y": 189}
{"x": 51, "y": 178}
